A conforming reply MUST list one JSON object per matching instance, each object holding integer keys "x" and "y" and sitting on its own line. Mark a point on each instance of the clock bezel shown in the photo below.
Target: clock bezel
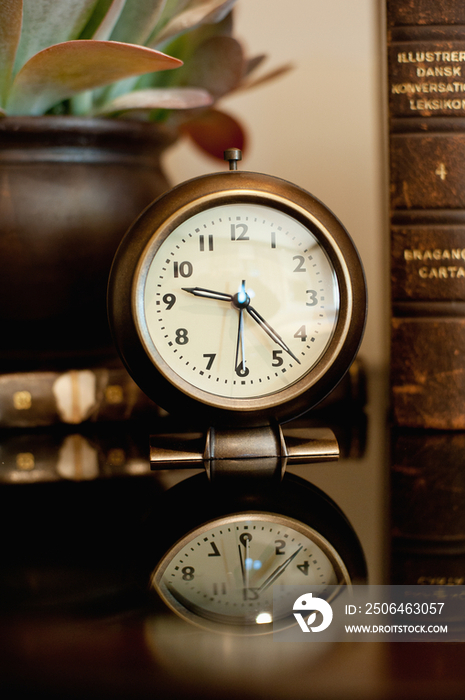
{"x": 126, "y": 289}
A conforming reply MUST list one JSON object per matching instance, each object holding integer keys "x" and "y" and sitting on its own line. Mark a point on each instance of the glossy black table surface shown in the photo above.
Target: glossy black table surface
{"x": 78, "y": 622}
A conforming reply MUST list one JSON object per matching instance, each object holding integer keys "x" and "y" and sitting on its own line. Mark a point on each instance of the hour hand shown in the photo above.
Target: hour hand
{"x": 207, "y": 293}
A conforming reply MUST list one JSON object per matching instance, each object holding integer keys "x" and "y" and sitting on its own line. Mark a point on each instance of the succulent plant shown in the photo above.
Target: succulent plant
{"x": 166, "y": 61}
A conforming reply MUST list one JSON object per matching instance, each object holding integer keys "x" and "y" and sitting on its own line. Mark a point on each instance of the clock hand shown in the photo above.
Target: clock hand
{"x": 240, "y": 367}
{"x": 244, "y": 566}
{"x": 244, "y": 580}
{"x": 222, "y": 296}
{"x": 207, "y": 293}
{"x": 277, "y": 572}
{"x": 270, "y": 331}
{"x": 243, "y": 371}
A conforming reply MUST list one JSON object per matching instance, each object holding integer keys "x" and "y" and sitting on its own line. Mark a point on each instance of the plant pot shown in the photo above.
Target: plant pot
{"x": 69, "y": 189}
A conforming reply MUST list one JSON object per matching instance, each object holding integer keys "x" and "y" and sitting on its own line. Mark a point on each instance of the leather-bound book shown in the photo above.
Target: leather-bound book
{"x": 427, "y": 507}
{"x": 426, "y": 82}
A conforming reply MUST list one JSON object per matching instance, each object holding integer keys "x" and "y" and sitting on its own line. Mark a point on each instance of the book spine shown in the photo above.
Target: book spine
{"x": 427, "y": 507}
{"x": 426, "y": 78}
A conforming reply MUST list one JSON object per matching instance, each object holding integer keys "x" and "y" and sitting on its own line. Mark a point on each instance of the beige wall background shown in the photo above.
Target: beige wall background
{"x": 321, "y": 126}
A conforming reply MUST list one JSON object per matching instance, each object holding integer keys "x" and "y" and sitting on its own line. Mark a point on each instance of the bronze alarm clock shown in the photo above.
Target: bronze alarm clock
{"x": 237, "y": 298}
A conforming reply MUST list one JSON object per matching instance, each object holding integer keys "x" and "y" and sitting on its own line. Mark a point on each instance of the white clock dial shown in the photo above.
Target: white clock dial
{"x": 240, "y": 300}
{"x": 226, "y": 570}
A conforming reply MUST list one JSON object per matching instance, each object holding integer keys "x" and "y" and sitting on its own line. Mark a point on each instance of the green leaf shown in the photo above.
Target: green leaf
{"x": 126, "y": 26}
{"x": 169, "y": 98}
{"x": 10, "y": 31}
{"x": 171, "y": 8}
{"x": 184, "y": 47}
{"x": 196, "y": 12}
{"x": 137, "y": 21}
{"x": 47, "y": 22}
{"x": 61, "y": 71}
{"x": 102, "y": 20}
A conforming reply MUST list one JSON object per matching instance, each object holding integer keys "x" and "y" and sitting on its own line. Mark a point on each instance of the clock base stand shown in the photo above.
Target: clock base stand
{"x": 227, "y": 453}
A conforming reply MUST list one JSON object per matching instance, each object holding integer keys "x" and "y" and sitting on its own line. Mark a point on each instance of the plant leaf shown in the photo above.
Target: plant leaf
{"x": 253, "y": 63}
{"x": 162, "y": 98}
{"x": 10, "y": 31}
{"x": 197, "y": 12}
{"x": 63, "y": 70}
{"x": 171, "y": 8}
{"x": 47, "y": 22}
{"x": 103, "y": 19}
{"x": 137, "y": 21}
{"x": 185, "y": 47}
{"x": 214, "y": 131}
{"x": 216, "y": 66}
{"x": 271, "y": 75}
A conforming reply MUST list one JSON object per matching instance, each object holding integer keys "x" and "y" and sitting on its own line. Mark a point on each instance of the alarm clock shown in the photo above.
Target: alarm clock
{"x": 237, "y": 299}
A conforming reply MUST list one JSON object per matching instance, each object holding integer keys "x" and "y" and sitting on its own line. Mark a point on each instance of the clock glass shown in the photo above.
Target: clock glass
{"x": 240, "y": 300}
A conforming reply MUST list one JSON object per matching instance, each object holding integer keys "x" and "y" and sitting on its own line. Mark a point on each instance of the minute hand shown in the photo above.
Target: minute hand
{"x": 270, "y": 331}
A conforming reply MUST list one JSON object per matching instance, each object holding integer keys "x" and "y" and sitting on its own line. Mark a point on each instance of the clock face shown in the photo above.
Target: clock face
{"x": 240, "y": 301}
{"x": 239, "y": 569}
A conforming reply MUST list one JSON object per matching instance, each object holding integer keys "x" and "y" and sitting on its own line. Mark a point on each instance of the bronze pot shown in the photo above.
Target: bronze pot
{"x": 69, "y": 189}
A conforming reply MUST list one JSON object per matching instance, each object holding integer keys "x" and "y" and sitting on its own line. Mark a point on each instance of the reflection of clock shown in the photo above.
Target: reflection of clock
{"x": 239, "y": 565}
{"x": 238, "y": 297}
{"x": 226, "y": 570}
